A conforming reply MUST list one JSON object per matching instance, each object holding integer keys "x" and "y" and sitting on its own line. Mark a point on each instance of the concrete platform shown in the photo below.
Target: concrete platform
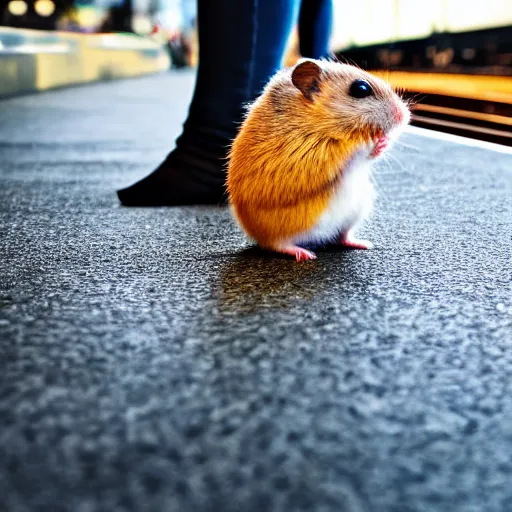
{"x": 38, "y": 60}
{"x": 149, "y": 361}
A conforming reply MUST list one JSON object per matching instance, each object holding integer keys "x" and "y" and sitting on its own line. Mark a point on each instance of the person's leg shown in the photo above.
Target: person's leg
{"x": 315, "y": 23}
{"x": 241, "y": 44}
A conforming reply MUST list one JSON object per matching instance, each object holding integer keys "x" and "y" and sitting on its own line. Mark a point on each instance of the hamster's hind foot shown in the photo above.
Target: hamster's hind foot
{"x": 299, "y": 253}
{"x": 348, "y": 242}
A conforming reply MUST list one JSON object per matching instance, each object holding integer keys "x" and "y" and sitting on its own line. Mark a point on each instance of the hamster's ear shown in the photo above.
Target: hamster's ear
{"x": 306, "y": 77}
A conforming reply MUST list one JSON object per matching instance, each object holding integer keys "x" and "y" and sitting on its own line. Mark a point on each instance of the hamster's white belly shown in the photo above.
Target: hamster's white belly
{"x": 351, "y": 204}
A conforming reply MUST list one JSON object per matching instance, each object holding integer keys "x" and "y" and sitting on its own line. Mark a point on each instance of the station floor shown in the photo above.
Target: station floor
{"x": 151, "y": 360}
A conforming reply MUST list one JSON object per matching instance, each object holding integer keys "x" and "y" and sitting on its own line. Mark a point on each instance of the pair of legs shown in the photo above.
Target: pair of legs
{"x": 241, "y": 45}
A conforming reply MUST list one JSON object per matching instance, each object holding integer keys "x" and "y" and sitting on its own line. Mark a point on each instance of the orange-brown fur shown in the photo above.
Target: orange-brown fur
{"x": 286, "y": 161}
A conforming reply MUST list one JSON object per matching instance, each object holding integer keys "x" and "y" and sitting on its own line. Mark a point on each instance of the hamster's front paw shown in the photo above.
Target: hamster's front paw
{"x": 381, "y": 143}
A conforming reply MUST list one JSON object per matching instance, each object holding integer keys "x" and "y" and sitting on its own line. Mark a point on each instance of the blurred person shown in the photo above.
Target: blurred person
{"x": 241, "y": 45}
{"x": 177, "y": 21}
{"x": 68, "y": 21}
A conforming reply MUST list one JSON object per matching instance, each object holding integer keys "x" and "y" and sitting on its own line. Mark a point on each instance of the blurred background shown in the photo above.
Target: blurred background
{"x": 452, "y": 56}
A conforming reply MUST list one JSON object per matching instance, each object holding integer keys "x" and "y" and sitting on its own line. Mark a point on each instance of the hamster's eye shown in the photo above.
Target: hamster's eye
{"x": 360, "y": 89}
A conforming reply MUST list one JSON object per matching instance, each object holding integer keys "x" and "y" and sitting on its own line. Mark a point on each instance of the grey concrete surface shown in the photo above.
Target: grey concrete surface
{"x": 149, "y": 361}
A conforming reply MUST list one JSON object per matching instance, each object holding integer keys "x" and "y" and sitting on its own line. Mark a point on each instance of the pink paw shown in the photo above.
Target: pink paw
{"x": 350, "y": 243}
{"x": 299, "y": 253}
{"x": 381, "y": 143}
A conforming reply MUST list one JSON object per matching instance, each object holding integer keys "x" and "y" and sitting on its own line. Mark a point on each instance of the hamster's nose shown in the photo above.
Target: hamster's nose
{"x": 398, "y": 113}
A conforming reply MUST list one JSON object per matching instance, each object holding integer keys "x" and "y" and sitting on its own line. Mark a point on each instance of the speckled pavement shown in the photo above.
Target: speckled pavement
{"x": 150, "y": 360}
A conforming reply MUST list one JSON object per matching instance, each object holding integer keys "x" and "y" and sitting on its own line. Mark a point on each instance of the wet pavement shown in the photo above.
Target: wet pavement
{"x": 150, "y": 360}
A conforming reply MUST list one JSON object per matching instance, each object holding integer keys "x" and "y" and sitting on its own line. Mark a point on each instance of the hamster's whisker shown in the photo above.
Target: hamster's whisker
{"x": 383, "y": 161}
{"x": 415, "y": 99}
{"x": 405, "y": 145}
{"x": 332, "y": 57}
{"x": 390, "y": 155}
{"x": 401, "y": 91}
{"x": 347, "y": 60}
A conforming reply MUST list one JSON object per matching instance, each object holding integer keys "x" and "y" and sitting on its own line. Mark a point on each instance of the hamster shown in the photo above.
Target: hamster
{"x": 299, "y": 168}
